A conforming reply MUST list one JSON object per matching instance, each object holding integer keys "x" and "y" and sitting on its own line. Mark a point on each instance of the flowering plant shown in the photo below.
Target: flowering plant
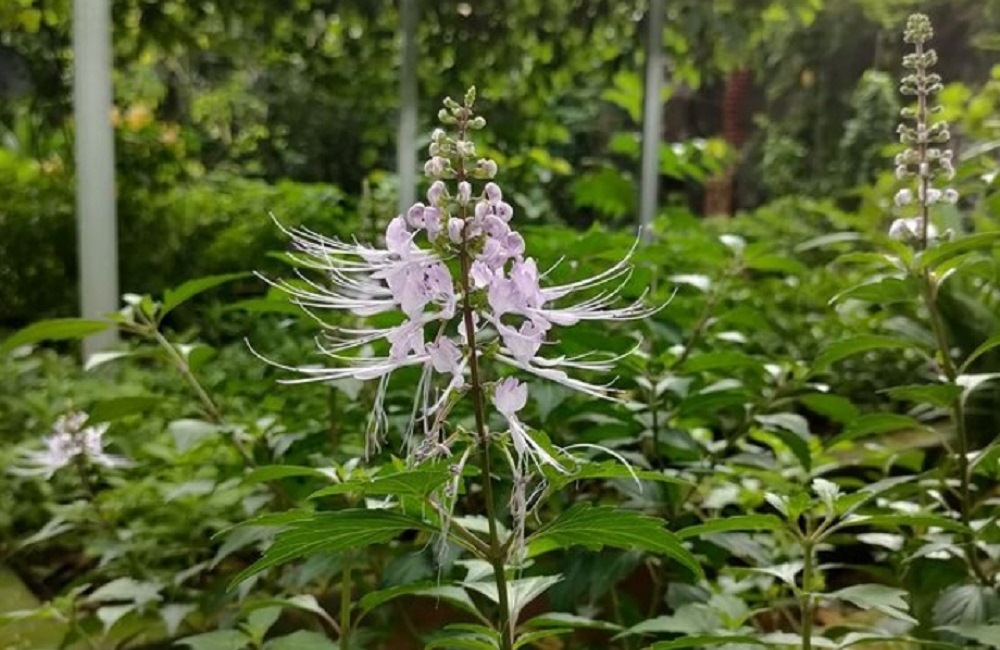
{"x": 473, "y": 314}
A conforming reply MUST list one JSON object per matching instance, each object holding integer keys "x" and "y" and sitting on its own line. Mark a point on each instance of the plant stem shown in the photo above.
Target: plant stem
{"x": 928, "y": 291}
{"x": 345, "y": 603}
{"x": 497, "y": 551}
{"x": 806, "y": 596}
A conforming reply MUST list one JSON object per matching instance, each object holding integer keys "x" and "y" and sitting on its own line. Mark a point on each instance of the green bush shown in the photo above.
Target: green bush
{"x": 214, "y": 225}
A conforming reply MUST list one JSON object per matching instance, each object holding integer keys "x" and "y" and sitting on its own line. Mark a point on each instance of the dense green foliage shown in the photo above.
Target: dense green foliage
{"x": 792, "y": 410}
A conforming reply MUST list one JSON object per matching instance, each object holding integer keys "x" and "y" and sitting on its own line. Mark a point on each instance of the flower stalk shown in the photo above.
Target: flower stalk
{"x": 921, "y": 164}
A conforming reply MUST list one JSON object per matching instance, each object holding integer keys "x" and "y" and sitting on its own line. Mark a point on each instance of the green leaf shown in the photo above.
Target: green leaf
{"x": 173, "y": 298}
{"x": 893, "y": 520}
{"x": 935, "y": 394}
{"x": 127, "y": 589}
{"x": 701, "y": 640}
{"x": 117, "y": 408}
{"x": 721, "y": 360}
{"x": 933, "y": 257}
{"x": 465, "y": 636}
{"x": 520, "y": 592}
{"x": 538, "y": 635}
{"x": 56, "y": 329}
{"x": 413, "y": 482}
{"x": 985, "y": 634}
{"x": 560, "y": 619}
{"x": 835, "y": 407}
{"x": 260, "y": 620}
{"x": 856, "y": 345}
{"x": 600, "y": 526}
{"x": 983, "y": 348}
{"x": 887, "y": 600}
{"x": 609, "y": 470}
{"x": 275, "y": 472}
{"x": 188, "y": 433}
{"x": 100, "y": 358}
{"x": 778, "y": 263}
{"x": 882, "y": 291}
{"x": 331, "y": 532}
{"x": 967, "y": 605}
{"x": 301, "y": 640}
{"x": 217, "y": 640}
{"x": 731, "y": 524}
{"x": 793, "y": 430}
{"x": 455, "y": 596}
{"x": 874, "y": 423}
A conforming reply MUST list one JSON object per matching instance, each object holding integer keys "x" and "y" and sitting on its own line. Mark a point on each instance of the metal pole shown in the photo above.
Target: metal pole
{"x": 652, "y": 115}
{"x": 406, "y": 153}
{"x": 97, "y": 231}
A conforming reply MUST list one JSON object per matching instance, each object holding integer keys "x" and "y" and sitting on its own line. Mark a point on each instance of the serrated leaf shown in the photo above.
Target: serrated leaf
{"x": 175, "y": 297}
{"x": 600, "y": 526}
{"x": 331, "y": 532}
{"x": 731, "y": 524}
{"x": 520, "y": 592}
{"x": 217, "y": 640}
{"x": 56, "y": 329}
{"x": 413, "y": 482}
{"x": 856, "y": 345}
{"x": 455, "y": 596}
{"x": 887, "y": 600}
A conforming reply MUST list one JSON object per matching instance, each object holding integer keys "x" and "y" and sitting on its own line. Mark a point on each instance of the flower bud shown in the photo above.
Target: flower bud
{"x": 415, "y": 215}
{"x": 464, "y": 192}
{"x": 489, "y": 167}
{"x": 455, "y": 228}
{"x": 951, "y": 196}
{"x": 436, "y": 193}
{"x": 493, "y": 193}
{"x": 904, "y": 197}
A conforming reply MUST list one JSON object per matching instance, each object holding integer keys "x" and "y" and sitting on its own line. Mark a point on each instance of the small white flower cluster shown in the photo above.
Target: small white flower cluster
{"x": 922, "y": 163}
{"x": 70, "y": 440}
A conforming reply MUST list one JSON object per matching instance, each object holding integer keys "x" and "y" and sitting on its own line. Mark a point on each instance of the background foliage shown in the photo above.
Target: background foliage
{"x": 229, "y": 110}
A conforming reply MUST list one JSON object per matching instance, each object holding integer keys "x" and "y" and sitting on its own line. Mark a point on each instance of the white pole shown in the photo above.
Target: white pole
{"x": 652, "y": 115}
{"x": 406, "y": 152}
{"x": 97, "y": 236}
